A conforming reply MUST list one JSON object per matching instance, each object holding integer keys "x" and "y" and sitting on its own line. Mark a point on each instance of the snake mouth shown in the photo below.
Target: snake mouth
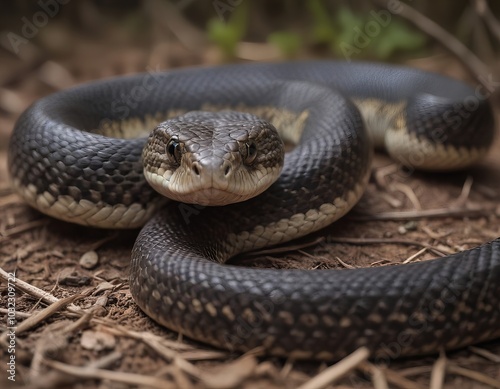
{"x": 210, "y": 197}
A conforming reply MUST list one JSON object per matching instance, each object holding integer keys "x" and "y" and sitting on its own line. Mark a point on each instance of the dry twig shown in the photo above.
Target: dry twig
{"x": 485, "y": 354}
{"x": 89, "y": 372}
{"x": 467, "y": 57}
{"x": 438, "y": 372}
{"x": 393, "y": 377}
{"x": 484, "y": 11}
{"x": 337, "y": 371}
{"x": 423, "y": 214}
{"x": 474, "y": 375}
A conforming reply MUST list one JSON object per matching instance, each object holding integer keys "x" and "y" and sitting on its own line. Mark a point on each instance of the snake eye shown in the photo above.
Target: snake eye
{"x": 173, "y": 150}
{"x": 251, "y": 152}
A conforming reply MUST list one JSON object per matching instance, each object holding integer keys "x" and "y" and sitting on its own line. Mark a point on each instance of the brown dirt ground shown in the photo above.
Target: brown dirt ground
{"x": 120, "y": 338}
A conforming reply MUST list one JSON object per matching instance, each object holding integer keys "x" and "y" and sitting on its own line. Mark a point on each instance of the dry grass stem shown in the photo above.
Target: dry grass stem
{"x": 114, "y": 376}
{"x": 423, "y": 214}
{"x": 491, "y": 21}
{"x": 337, "y": 371}
{"x": 485, "y": 354}
{"x": 40, "y": 316}
{"x": 467, "y": 57}
{"x": 30, "y": 289}
{"x": 409, "y": 193}
{"x": 438, "y": 372}
{"x": 54, "y": 378}
{"x": 286, "y": 248}
{"x": 363, "y": 241}
{"x": 391, "y": 376}
{"x": 415, "y": 256}
{"x": 464, "y": 195}
{"x": 23, "y": 228}
{"x": 344, "y": 264}
{"x": 473, "y": 375}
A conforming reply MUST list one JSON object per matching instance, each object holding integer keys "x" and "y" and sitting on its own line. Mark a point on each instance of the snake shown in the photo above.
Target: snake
{"x": 85, "y": 155}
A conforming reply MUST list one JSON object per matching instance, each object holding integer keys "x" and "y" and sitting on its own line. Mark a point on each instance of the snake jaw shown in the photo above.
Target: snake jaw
{"x": 211, "y": 181}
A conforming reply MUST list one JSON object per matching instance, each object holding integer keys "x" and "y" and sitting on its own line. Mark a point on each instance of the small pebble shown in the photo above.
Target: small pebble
{"x": 97, "y": 341}
{"x": 69, "y": 276}
{"x": 103, "y": 286}
{"x": 89, "y": 260}
{"x": 409, "y": 226}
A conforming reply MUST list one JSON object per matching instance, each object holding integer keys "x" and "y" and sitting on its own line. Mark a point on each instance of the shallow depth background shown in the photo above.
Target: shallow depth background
{"x": 47, "y": 46}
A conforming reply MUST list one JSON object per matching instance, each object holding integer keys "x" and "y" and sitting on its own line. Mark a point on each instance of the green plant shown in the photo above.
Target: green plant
{"x": 227, "y": 35}
{"x": 374, "y": 34}
{"x": 322, "y": 30}
{"x": 289, "y": 43}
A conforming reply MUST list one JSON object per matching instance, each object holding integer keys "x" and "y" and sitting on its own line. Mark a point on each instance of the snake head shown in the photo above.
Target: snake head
{"x": 213, "y": 158}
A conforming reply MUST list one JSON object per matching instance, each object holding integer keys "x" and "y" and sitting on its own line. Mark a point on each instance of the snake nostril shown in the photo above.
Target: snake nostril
{"x": 227, "y": 170}
{"x": 196, "y": 170}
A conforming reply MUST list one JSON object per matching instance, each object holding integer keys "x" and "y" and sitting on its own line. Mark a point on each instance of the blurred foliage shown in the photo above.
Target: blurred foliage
{"x": 317, "y": 27}
{"x": 227, "y": 34}
{"x": 322, "y": 30}
{"x": 289, "y": 43}
{"x": 342, "y": 31}
{"x": 383, "y": 42}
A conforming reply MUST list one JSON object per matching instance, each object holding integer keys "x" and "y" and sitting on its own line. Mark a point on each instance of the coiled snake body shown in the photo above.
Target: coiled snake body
{"x": 62, "y": 163}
